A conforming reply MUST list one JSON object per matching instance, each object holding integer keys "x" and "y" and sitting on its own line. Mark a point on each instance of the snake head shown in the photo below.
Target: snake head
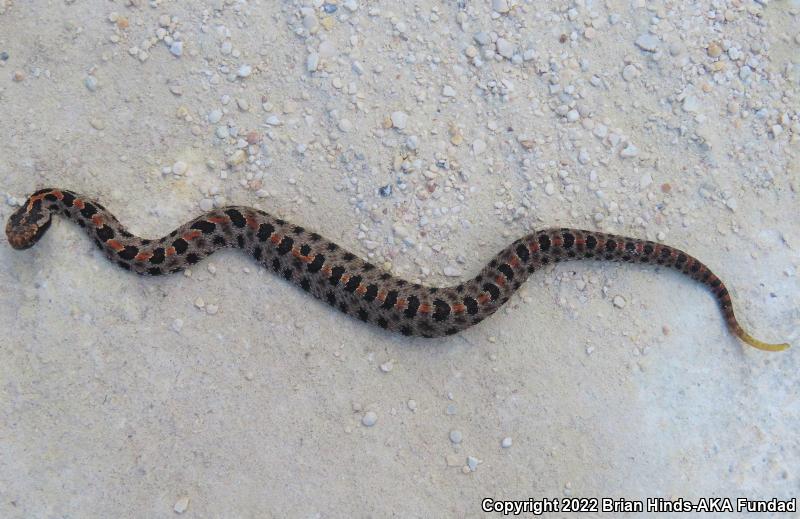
{"x": 28, "y": 224}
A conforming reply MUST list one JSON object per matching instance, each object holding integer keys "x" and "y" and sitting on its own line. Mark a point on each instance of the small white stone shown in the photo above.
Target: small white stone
{"x": 262, "y": 193}
{"x": 177, "y": 325}
{"x": 412, "y": 405}
{"x": 573, "y": 116}
{"x": 478, "y": 146}
{"x": 399, "y": 120}
{"x": 472, "y": 463}
{"x": 506, "y": 443}
{"x": 549, "y": 189}
{"x": 214, "y": 116}
{"x": 647, "y": 42}
{"x": 179, "y": 168}
{"x": 345, "y": 125}
{"x": 505, "y": 48}
{"x": 452, "y": 271}
{"x": 619, "y": 302}
{"x": 273, "y": 120}
{"x": 176, "y": 48}
{"x": 500, "y": 6}
{"x": 222, "y": 132}
{"x": 777, "y": 129}
{"x": 691, "y": 104}
{"x": 369, "y": 419}
{"x": 583, "y": 157}
{"x": 312, "y": 62}
{"x": 91, "y": 83}
{"x": 456, "y": 436}
{"x": 448, "y": 91}
{"x": 645, "y": 181}
{"x": 212, "y": 309}
{"x": 238, "y": 157}
{"x": 629, "y": 151}
{"x": 629, "y": 73}
{"x": 386, "y": 367}
{"x": 181, "y": 505}
{"x": 199, "y": 302}
{"x": 244, "y": 71}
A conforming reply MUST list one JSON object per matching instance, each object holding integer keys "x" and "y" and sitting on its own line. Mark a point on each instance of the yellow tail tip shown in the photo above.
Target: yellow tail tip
{"x": 755, "y": 343}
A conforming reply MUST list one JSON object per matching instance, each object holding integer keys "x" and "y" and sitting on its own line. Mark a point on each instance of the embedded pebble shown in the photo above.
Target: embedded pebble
{"x": 179, "y": 168}
{"x": 176, "y": 48}
{"x": 506, "y": 442}
{"x": 456, "y": 436}
{"x": 629, "y": 151}
{"x": 91, "y": 83}
{"x": 691, "y": 104}
{"x": 619, "y": 302}
{"x": 630, "y": 72}
{"x": 312, "y": 62}
{"x": 399, "y": 120}
{"x": 369, "y": 419}
{"x": 472, "y": 463}
{"x": 177, "y": 325}
{"x": 386, "y": 367}
{"x": 505, "y": 48}
{"x": 500, "y": 6}
{"x": 244, "y": 71}
{"x": 412, "y": 405}
{"x": 647, "y": 42}
{"x": 215, "y": 116}
{"x": 181, "y": 505}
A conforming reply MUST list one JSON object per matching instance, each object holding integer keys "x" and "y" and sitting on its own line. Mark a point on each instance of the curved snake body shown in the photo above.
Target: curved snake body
{"x": 341, "y": 278}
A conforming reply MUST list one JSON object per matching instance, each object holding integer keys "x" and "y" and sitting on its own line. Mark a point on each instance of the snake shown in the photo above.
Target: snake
{"x": 344, "y": 280}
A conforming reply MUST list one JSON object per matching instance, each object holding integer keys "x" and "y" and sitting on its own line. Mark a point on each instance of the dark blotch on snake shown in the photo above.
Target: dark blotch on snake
{"x": 236, "y": 218}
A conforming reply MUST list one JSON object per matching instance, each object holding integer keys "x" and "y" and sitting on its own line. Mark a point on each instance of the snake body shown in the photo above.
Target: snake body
{"x": 342, "y": 279}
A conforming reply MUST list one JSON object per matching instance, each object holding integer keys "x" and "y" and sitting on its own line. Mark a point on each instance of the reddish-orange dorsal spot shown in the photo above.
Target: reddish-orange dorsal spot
{"x": 484, "y": 298}
{"x": 326, "y": 271}
{"x": 34, "y": 199}
{"x": 344, "y": 279}
{"x": 170, "y": 251}
{"x": 58, "y": 194}
{"x": 459, "y": 308}
{"x": 533, "y": 247}
{"x": 143, "y": 256}
{"x": 275, "y": 238}
{"x": 558, "y": 241}
{"x": 252, "y": 222}
{"x": 514, "y": 262}
{"x": 424, "y": 308}
{"x": 500, "y": 280}
{"x": 191, "y": 235}
{"x": 361, "y": 290}
{"x": 114, "y": 244}
{"x": 400, "y": 305}
{"x": 382, "y": 295}
{"x": 97, "y": 220}
{"x": 218, "y": 219}
{"x": 580, "y": 242}
{"x": 78, "y": 203}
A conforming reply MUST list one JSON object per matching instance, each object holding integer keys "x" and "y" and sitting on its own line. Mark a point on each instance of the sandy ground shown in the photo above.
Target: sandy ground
{"x": 425, "y": 136}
